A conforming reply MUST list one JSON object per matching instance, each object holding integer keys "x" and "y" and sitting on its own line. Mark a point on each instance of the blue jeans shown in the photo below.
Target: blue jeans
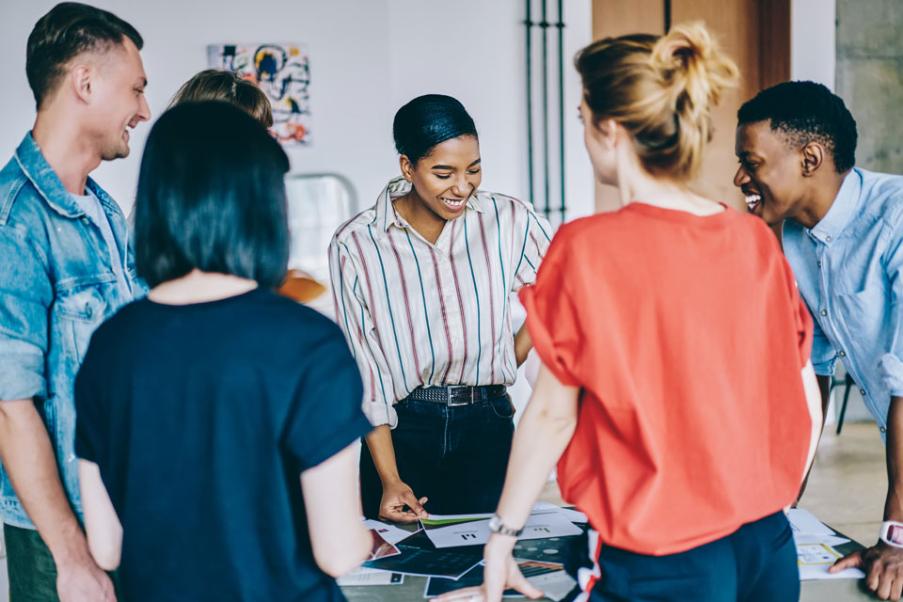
{"x": 454, "y": 455}
{"x": 755, "y": 563}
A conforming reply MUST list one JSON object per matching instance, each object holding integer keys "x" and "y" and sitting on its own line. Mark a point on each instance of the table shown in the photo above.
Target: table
{"x": 843, "y": 590}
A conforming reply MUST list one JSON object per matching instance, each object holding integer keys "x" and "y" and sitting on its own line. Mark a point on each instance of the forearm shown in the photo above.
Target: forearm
{"x": 338, "y": 537}
{"x": 30, "y": 462}
{"x": 522, "y": 344}
{"x": 815, "y": 404}
{"x": 539, "y": 441}
{"x": 893, "y": 507}
{"x": 379, "y": 442}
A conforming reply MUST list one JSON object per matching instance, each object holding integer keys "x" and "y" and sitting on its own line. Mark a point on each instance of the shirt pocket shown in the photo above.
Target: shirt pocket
{"x": 861, "y": 314}
{"x": 79, "y": 310}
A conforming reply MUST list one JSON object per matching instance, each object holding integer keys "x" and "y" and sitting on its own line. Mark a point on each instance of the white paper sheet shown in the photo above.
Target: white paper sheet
{"x": 573, "y": 515}
{"x": 555, "y": 585}
{"x": 541, "y": 524}
{"x": 390, "y": 533}
{"x": 803, "y": 521}
{"x": 364, "y": 577}
{"x": 815, "y": 559}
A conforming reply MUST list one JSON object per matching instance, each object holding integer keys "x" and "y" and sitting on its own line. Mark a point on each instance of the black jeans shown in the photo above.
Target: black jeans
{"x": 454, "y": 455}
{"x": 756, "y": 563}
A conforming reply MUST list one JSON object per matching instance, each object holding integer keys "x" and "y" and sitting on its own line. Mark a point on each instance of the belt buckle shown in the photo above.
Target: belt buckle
{"x": 451, "y": 391}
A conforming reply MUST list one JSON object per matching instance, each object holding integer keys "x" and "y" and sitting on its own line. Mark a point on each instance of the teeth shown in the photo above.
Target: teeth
{"x": 453, "y": 202}
{"x": 752, "y": 200}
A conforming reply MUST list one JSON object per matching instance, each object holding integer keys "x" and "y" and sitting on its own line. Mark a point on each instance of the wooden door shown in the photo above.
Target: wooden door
{"x": 755, "y": 33}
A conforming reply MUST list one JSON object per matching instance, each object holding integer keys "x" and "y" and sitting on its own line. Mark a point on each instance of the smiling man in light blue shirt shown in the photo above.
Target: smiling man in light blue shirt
{"x": 843, "y": 237}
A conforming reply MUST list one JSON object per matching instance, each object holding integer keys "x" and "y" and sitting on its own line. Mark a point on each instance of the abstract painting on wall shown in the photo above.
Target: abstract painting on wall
{"x": 283, "y": 72}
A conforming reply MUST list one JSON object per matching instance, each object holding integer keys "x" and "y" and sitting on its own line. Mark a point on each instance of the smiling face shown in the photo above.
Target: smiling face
{"x": 770, "y": 174}
{"x": 117, "y": 102}
{"x": 445, "y": 179}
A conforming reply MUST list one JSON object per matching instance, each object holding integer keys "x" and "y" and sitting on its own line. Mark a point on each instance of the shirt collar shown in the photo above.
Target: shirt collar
{"x": 842, "y": 210}
{"x": 48, "y": 184}
{"x": 398, "y": 187}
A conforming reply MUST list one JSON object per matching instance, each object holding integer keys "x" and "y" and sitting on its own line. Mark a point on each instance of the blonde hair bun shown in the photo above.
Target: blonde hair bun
{"x": 661, "y": 90}
{"x": 692, "y": 68}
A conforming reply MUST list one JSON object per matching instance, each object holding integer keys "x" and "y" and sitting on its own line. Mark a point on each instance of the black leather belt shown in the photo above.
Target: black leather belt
{"x": 457, "y": 395}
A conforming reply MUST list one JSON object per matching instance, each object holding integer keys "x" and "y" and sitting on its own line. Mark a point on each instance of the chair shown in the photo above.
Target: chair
{"x": 318, "y": 204}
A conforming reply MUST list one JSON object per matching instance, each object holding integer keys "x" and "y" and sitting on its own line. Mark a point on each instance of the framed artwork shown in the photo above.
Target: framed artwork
{"x": 282, "y": 71}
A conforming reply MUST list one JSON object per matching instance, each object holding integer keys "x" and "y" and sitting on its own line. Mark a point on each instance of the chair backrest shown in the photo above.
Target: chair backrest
{"x": 317, "y": 205}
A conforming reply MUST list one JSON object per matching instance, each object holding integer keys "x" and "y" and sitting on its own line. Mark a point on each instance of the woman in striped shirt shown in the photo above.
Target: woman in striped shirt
{"x": 422, "y": 284}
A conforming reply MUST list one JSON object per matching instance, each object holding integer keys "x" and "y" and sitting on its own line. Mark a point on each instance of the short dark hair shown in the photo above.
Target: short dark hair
{"x": 216, "y": 84}
{"x": 69, "y": 29}
{"x": 427, "y": 121}
{"x": 211, "y": 196}
{"x": 806, "y": 112}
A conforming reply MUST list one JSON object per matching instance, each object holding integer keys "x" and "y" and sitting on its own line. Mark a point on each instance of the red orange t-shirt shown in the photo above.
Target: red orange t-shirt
{"x": 686, "y": 335}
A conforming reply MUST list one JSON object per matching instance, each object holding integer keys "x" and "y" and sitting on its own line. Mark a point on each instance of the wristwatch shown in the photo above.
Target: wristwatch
{"x": 497, "y": 526}
{"x": 892, "y": 533}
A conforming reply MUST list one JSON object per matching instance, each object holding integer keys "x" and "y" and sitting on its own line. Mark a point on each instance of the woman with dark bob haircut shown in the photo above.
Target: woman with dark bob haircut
{"x": 215, "y": 418}
{"x": 422, "y": 282}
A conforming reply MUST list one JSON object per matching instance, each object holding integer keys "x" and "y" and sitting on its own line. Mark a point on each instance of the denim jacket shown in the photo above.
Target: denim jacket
{"x": 56, "y": 286}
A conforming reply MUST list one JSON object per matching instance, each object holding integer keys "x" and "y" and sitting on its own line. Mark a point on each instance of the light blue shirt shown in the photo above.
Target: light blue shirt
{"x": 849, "y": 268}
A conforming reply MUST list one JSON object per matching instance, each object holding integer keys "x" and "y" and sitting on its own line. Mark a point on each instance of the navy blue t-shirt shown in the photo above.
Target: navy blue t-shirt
{"x": 201, "y": 418}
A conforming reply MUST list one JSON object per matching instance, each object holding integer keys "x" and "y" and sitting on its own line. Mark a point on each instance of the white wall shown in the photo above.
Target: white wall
{"x": 347, "y": 39}
{"x": 368, "y": 57}
{"x": 812, "y": 41}
{"x": 475, "y": 51}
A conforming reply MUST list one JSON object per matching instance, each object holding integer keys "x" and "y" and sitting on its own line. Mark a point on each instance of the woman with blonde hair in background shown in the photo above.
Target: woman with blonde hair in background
{"x": 226, "y": 86}
{"x": 676, "y": 387}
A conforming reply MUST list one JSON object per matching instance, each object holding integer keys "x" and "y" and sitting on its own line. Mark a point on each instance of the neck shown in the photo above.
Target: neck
{"x": 415, "y": 212}
{"x": 66, "y": 148}
{"x": 200, "y": 287}
{"x": 635, "y": 184}
{"x": 816, "y": 206}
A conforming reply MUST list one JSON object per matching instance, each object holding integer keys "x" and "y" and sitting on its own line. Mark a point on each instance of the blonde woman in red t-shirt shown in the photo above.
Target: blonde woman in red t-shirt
{"x": 676, "y": 387}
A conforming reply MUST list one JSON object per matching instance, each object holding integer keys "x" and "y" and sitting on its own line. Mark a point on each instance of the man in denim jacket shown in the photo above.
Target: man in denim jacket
{"x": 66, "y": 266}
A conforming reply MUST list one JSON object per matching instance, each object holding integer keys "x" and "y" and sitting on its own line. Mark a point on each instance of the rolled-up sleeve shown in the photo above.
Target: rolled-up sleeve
{"x": 533, "y": 243}
{"x": 891, "y": 364}
{"x": 553, "y": 318}
{"x": 353, "y": 316}
{"x": 25, "y": 298}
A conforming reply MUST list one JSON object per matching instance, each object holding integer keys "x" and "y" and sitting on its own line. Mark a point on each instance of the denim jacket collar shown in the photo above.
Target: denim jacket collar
{"x": 48, "y": 184}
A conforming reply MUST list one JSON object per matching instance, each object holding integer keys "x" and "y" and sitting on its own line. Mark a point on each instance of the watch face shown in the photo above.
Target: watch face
{"x": 895, "y": 534}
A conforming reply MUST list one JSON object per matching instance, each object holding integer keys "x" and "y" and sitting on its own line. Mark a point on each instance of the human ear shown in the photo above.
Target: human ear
{"x": 407, "y": 168}
{"x": 813, "y": 155}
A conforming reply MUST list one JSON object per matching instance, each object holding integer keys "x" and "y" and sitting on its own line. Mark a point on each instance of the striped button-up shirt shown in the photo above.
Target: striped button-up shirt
{"x": 418, "y": 314}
